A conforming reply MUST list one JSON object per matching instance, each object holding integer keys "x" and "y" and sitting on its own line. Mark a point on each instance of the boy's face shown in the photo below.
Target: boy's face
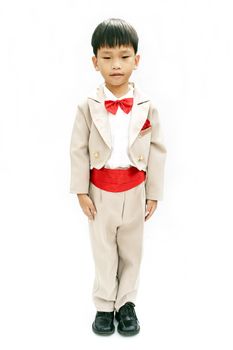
{"x": 116, "y": 64}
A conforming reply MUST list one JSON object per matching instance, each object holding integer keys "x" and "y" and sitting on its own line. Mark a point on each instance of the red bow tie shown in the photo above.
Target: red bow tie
{"x": 125, "y": 104}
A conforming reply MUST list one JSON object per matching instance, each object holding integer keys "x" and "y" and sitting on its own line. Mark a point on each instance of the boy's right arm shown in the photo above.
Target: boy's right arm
{"x": 79, "y": 154}
{"x": 80, "y": 163}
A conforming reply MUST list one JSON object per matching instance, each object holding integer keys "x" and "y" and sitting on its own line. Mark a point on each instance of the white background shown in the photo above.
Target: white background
{"x": 185, "y": 297}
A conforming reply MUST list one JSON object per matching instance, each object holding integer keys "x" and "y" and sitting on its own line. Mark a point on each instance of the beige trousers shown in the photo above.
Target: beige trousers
{"x": 116, "y": 236}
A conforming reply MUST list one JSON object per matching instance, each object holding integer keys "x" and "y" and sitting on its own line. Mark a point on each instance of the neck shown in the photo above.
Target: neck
{"x": 119, "y": 90}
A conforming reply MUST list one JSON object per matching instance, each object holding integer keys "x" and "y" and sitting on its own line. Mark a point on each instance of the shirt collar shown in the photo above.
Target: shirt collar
{"x": 138, "y": 95}
{"x": 110, "y": 96}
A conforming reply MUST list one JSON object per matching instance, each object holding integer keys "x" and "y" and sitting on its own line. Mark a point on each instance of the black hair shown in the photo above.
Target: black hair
{"x": 114, "y": 32}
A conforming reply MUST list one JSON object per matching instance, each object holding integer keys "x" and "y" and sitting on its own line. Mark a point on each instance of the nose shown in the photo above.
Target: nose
{"x": 116, "y": 65}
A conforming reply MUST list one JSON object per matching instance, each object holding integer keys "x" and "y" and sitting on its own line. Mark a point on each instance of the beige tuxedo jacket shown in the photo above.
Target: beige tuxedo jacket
{"x": 91, "y": 142}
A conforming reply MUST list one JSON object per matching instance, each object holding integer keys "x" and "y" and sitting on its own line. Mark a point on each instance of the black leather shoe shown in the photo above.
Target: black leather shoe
{"x": 128, "y": 322}
{"x": 103, "y": 324}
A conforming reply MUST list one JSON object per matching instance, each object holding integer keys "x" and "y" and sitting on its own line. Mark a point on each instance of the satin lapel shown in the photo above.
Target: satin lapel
{"x": 100, "y": 115}
{"x": 139, "y": 115}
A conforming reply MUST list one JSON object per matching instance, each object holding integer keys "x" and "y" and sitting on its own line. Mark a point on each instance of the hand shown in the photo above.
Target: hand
{"x": 151, "y": 206}
{"x": 87, "y": 205}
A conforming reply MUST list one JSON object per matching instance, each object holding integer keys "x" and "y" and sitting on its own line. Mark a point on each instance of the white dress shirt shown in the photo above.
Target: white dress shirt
{"x": 119, "y": 125}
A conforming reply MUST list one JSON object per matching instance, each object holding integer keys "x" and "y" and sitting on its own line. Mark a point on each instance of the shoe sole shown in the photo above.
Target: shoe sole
{"x": 102, "y": 333}
{"x": 128, "y": 334}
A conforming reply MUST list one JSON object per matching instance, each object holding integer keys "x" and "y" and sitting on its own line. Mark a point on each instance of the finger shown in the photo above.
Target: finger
{"x": 147, "y": 217}
{"x": 148, "y": 210}
{"x": 89, "y": 214}
{"x": 149, "y": 213}
{"x": 93, "y": 210}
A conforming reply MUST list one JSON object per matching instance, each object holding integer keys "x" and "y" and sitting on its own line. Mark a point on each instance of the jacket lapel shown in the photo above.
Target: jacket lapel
{"x": 99, "y": 115}
{"x": 101, "y": 119}
{"x": 139, "y": 114}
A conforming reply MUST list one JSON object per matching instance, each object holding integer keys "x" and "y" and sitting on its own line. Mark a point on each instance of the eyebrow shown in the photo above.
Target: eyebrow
{"x": 121, "y": 51}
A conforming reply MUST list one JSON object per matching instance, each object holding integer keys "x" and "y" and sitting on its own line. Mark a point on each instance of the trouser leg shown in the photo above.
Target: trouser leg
{"x": 104, "y": 246}
{"x": 130, "y": 245}
{"x": 116, "y": 236}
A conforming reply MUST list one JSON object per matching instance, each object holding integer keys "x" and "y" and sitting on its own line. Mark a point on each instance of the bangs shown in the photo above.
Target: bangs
{"x": 113, "y": 33}
{"x": 115, "y": 36}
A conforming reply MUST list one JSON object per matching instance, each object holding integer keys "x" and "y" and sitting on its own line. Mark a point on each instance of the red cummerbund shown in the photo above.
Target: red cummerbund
{"x": 117, "y": 180}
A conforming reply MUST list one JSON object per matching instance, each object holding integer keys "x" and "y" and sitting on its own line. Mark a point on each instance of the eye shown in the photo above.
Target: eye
{"x": 106, "y": 58}
{"x": 125, "y": 56}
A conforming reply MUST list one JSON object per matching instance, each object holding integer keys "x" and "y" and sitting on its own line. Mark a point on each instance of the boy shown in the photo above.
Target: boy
{"x": 117, "y": 165}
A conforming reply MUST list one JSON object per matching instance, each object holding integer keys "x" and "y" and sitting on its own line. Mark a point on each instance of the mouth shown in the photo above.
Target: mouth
{"x": 116, "y": 75}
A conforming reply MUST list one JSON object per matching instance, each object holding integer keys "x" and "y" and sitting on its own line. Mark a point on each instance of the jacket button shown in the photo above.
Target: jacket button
{"x": 96, "y": 154}
{"x": 140, "y": 158}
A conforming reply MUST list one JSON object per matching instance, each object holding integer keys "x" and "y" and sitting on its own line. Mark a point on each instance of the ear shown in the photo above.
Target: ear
{"x": 95, "y": 62}
{"x": 136, "y": 61}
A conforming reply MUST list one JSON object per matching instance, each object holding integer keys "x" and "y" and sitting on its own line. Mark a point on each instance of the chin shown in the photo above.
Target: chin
{"x": 117, "y": 83}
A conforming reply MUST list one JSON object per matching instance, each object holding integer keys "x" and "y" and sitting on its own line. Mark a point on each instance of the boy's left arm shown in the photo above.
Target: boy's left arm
{"x": 155, "y": 167}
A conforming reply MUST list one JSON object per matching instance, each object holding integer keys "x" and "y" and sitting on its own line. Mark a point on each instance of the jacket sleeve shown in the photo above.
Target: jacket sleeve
{"x": 156, "y": 162}
{"x": 79, "y": 154}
